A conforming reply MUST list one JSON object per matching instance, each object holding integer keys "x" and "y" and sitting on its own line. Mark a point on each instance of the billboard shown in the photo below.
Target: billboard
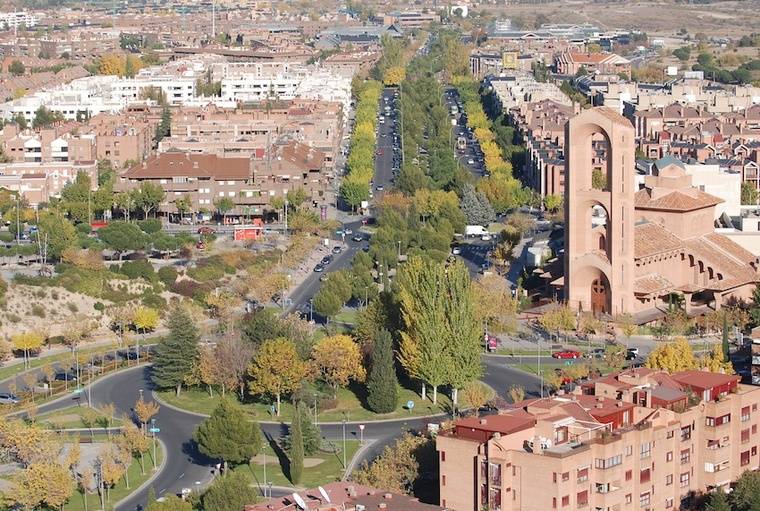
{"x": 509, "y": 60}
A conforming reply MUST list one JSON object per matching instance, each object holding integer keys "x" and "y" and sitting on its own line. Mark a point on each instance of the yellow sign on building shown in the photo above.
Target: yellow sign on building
{"x": 509, "y": 59}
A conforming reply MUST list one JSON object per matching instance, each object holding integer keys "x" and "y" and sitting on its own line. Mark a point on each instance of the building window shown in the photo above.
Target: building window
{"x": 685, "y": 456}
{"x": 628, "y": 475}
{"x": 744, "y": 460}
{"x": 628, "y": 450}
{"x": 718, "y": 421}
{"x": 645, "y": 499}
{"x": 745, "y": 414}
{"x": 583, "y": 474}
{"x": 684, "y": 480}
{"x": 628, "y": 498}
{"x": 494, "y": 496}
{"x": 668, "y": 479}
{"x": 443, "y": 480}
{"x": 754, "y": 429}
{"x": 609, "y": 462}
{"x": 582, "y": 498}
{"x": 566, "y": 501}
{"x": 554, "y": 502}
{"x": 685, "y": 433}
{"x": 443, "y": 456}
{"x": 669, "y": 456}
{"x": 646, "y": 450}
{"x": 668, "y": 503}
{"x": 671, "y": 433}
{"x": 565, "y": 476}
{"x": 745, "y": 436}
{"x": 645, "y": 476}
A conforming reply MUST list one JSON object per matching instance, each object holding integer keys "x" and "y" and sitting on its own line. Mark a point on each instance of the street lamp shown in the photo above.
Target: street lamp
{"x": 361, "y": 434}
{"x": 344, "y": 442}
{"x": 311, "y": 310}
{"x": 399, "y": 249}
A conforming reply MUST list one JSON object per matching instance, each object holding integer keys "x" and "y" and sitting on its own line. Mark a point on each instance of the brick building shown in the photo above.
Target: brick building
{"x": 636, "y": 440}
{"x": 570, "y": 62}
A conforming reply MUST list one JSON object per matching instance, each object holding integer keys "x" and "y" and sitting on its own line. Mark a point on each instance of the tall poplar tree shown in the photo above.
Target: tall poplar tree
{"x": 382, "y": 390}
{"x": 176, "y": 355}
{"x": 296, "y": 446}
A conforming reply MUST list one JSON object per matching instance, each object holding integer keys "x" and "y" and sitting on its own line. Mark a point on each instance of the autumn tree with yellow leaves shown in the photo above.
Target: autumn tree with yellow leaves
{"x": 337, "y": 360}
{"x": 277, "y": 369}
{"x": 676, "y": 355}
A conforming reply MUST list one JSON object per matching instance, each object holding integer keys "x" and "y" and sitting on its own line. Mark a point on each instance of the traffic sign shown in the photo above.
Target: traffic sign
{"x": 568, "y": 362}
{"x": 361, "y": 427}
{"x": 410, "y": 404}
{"x": 155, "y": 430}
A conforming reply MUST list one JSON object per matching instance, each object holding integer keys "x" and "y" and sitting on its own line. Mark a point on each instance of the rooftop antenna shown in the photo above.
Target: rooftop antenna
{"x": 299, "y": 502}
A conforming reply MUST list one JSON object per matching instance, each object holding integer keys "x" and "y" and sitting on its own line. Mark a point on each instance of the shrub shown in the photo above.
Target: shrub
{"x": 38, "y": 310}
{"x": 207, "y": 270}
{"x": 13, "y": 318}
{"x": 72, "y": 307}
{"x": 138, "y": 269}
{"x": 7, "y": 237}
{"x": 3, "y": 287}
{"x": 54, "y": 294}
{"x": 99, "y": 306}
{"x": 83, "y": 228}
{"x": 41, "y": 293}
{"x": 153, "y": 301}
{"x": 186, "y": 288}
{"x": 167, "y": 275}
{"x": 150, "y": 226}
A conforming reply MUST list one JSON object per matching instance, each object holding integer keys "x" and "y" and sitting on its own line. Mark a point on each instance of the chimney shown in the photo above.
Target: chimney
{"x": 482, "y": 421}
{"x": 388, "y": 496}
{"x": 599, "y": 405}
{"x": 382, "y": 505}
{"x": 620, "y": 404}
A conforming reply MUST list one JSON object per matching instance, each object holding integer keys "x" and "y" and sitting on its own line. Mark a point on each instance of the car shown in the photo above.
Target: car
{"x": 632, "y": 354}
{"x": 65, "y": 377}
{"x": 319, "y": 268}
{"x": 567, "y": 354}
{"x": 326, "y": 260}
{"x": 379, "y": 188}
{"x": 485, "y": 237}
{"x": 337, "y": 250}
{"x": 456, "y": 250}
{"x": 490, "y": 342}
{"x": 379, "y": 152}
{"x": 348, "y": 232}
{"x": 471, "y": 162}
{"x": 358, "y": 238}
{"x": 206, "y": 230}
{"x": 596, "y": 353}
{"x": 6, "y": 398}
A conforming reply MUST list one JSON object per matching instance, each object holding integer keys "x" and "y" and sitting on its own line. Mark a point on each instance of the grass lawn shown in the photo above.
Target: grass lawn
{"x": 349, "y": 406}
{"x": 347, "y": 316}
{"x": 69, "y": 418}
{"x": 119, "y": 491}
{"x": 319, "y": 469}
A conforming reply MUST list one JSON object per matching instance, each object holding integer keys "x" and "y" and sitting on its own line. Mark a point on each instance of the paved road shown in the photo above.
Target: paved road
{"x": 186, "y": 468}
{"x": 472, "y": 150}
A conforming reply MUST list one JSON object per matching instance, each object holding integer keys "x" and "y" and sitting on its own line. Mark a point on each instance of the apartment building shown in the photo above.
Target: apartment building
{"x": 570, "y": 62}
{"x": 635, "y": 440}
{"x": 247, "y": 132}
{"x": 251, "y": 183}
{"x": 39, "y": 182}
{"x": 15, "y": 19}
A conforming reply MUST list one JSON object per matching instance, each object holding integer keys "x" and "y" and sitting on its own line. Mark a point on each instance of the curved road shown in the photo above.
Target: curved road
{"x": 185, "y": 466}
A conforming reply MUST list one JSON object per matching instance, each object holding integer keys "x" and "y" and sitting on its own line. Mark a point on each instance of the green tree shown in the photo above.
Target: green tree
{"x": 16, "y": 68}
{"x": 476, "y": 207}
{"x": 44, "y": 117}
{"x": 122, "y": 237}
{"x": 57, "y": 232}
{"x": 231, "y": 492}
{"x": 327, "y": 304}
{"x": 224, "y": 205}
{"x": 176, "y": 355}
{"x": 382, "y": 384}
{"x": 717, "y": 501}
{"x": 148, "y": 197}
{"x": 228, "y": 435}
{"x": 295, "y": 454}
{"x": 749, "y": 194}
{"x": 169, "y": 503}
{"x": 165, "y": 126}
{"x": 20, "y": 120}
{"x": 746, "y": 494}
{"x": 354, "y": 191}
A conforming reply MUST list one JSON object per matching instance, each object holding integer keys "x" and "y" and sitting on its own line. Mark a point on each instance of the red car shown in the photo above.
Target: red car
{"x": 206, "y": 230}
{"x": 379, "y": 152}
{"x": 490, "y": 342}
{"x": 567, "y": 354}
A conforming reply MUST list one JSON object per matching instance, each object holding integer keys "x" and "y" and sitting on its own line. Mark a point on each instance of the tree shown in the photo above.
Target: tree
{"x": 717, "y": 501}
{"x": 16, "y": 68}
{"x": 228, "y": 435}
{"x": 44, "y": 117}
{"x": 749, "y": 194}
{"x": 145, "y": 319}
{"x": 382, "y": 384}
{"x": 614, "y": 356}
{"x": 673, "y": 356}
{"x": 28, "y": 342}
{"x": 135, "y": 440}
{"x": 746, "y": 494}
{"x": 476, "y": 207}
{"x": 231, "y": 492}
{"x": 42, "y": 485}
{"x": 164, "y": 127}
{"x": 354, "y": 190}
{"x": 716, "y": 361}
{"x": 337, "y": 359}
{"x": 295, "y": 453}
{"x": 176, "y": 354}
{"x": 393, "y": 76}
{"x": 170, "y": 503}
{"x": 233, "y": 355}
{"x": 56, "y": 233}
{"x": 122, "y": 237}
{"x": 148, "y": 197}
{"x": 224, "y": 205}
{"x": 494, "y": 305}
{"x": 476, "y": 394}
{"x": 145, "y": 411}
{"x": 553, "y": 202}
{"x": 276, "y": 370}
{"x": 397, "y": 468}
{"x": 516, "y": 393}
{"x": 683, "y": 53}
{"x": 326, "y": 303}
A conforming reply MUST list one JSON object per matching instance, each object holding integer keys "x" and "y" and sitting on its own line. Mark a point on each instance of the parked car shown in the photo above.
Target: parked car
{"x": 326, "y": 260}
{"x": 337, "y": 249}
{"x": 632, "y": 354}
{"x": 65, "y": 377}
{"x": 567, "y": 354}
{"x": 490, "y": 342}
{"x": 485, "y": 237}
{"x": 358, "y": 238}
{"x": 319, "y": 268}
{"x": 348, "y": 232}
{"x": 7, "y": 398}
{"x": 456, "y": 250}
{"x": 206, "y": 230}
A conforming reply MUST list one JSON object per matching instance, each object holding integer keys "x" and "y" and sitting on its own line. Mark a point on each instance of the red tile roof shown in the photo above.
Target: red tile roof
{"x": 704, "y": 379}
{"x": 169, "y": 165}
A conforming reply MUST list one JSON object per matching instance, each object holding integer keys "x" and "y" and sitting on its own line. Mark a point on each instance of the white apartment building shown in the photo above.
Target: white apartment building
{"x": 16, "y": 19}
{"x": 514, "y": 88}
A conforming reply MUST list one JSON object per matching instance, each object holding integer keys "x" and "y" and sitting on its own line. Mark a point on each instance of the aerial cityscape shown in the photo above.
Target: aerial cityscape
{"x": 359, "y": 255}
